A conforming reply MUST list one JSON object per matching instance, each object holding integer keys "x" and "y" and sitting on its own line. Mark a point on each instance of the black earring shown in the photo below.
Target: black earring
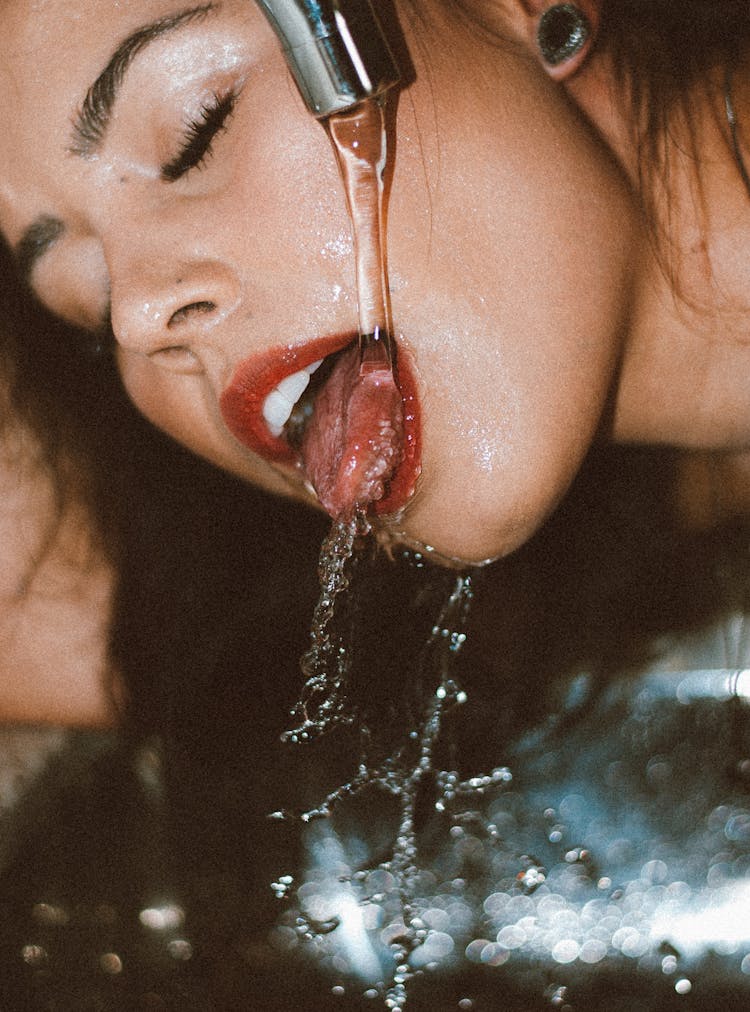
{"x": 563, "y": 31}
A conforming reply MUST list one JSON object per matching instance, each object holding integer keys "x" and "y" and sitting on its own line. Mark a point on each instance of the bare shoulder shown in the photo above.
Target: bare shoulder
{"x": 55, "y": 590}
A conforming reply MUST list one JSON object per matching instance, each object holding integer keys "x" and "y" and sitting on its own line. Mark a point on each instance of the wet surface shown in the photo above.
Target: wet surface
{"x": 621, "y": 852}
{"x": 606, "y": 863}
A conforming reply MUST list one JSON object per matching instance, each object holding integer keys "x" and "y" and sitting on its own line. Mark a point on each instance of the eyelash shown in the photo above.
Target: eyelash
{"x": 199, "y": 137}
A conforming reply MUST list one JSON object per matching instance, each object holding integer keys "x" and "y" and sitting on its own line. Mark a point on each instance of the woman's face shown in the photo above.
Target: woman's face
{"x": 193, "y": 198}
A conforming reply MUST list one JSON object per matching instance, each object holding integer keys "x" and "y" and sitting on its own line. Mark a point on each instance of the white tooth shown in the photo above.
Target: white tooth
{"x": 313, "y": 366}
{"x": 276, "y": 410}
{"x": 292, "y": 387}
{"x": 278, "y": 406}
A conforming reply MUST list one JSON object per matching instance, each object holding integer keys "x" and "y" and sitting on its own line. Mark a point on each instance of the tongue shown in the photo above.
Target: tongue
{"x": 354, "y": 441}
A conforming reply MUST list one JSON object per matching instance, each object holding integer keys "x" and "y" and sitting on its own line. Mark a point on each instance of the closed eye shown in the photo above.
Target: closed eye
{"x": 199, "y": 136}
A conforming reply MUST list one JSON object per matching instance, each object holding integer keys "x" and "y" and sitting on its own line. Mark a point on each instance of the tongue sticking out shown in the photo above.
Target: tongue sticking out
{"x": 354, "y": 441}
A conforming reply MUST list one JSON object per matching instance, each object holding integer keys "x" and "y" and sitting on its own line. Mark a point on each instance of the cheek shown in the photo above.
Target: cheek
{"x": 512, "y": 387}
{"x": 174, "y": 403}
{"x": 285, "y": 206}
{"x": 72, "y": 281}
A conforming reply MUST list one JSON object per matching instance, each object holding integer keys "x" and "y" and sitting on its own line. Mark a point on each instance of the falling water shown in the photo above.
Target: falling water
{"x": 410, "y": 771}
{"x": 360, "y": 144}
{"x": 407, "y": 769}
{"x": 323, "y": 703}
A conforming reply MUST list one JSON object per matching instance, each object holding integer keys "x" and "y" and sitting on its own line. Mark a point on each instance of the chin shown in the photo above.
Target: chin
{"x": 478, "y": 517}
{"x": 460, "y": 537}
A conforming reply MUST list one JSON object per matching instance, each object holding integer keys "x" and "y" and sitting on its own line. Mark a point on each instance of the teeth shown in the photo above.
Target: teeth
{"x": 292, "y": 387}
{"x": 279, "y": 404}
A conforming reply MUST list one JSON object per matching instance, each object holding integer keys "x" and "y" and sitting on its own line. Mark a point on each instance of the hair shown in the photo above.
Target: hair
{"x": 217, "y": 580}
{"x": 662, "y": 51}
{"x": 666, "y": 57}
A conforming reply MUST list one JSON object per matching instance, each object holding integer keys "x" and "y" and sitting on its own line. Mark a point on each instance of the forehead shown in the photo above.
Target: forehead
{"x": 46, "y": 42}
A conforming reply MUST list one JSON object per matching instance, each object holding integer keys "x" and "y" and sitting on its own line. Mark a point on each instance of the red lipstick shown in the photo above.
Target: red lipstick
{"x": 242, "y": 402}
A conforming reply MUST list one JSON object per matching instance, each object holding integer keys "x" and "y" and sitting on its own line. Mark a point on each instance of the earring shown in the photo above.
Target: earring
{"x": 563, "y": 31}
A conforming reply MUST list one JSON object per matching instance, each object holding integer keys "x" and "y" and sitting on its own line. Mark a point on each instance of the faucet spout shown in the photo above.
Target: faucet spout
{"x": 335, "y": 49}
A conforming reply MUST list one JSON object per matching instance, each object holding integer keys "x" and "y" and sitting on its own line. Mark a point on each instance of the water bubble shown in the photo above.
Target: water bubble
{"x": 566, "y": 950}
{"x": 683, "y": 986}
{"x": 180, "y": 949}
{"x": 162, "y": 918}
{"x": 593, "y": 950}
{"x": 110, "y": 963}
{"x": 512, "y": 936}
{"x": 50, "y": 915}
{"x": 558, "y": 996}
{"x": 34, "y": 955}
{"x": 495, "y": 954}
{"x": 532, "y": 878}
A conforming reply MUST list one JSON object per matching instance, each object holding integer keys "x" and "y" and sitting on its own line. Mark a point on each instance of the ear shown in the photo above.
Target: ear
{"x": 562, "y": 34}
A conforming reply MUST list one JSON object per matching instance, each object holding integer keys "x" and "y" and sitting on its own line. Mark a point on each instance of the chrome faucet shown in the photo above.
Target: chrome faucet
{"x": 335, "y": 49}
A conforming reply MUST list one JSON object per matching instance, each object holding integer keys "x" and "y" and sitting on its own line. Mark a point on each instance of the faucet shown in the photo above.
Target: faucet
{"x": 335, "y": 49}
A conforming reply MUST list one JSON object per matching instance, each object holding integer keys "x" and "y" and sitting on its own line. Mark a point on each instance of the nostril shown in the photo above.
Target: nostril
{"x": 193, "y": 308}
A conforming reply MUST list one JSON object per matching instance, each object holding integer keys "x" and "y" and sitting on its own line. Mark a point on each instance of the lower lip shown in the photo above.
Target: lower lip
{"x": 242, "y": 402}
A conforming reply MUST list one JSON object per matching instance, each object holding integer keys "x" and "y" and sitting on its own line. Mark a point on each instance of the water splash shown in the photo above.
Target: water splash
{"x": 411, "y": 771}
{"x": 324, "y": 701}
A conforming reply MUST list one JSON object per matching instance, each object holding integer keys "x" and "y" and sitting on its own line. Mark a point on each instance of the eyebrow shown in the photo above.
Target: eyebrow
{"x": 91, "y": 122}
{"x": 93, "y": 118}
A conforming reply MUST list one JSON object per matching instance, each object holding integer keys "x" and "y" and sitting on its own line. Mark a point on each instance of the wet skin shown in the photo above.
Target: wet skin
{"x": 513, "y": 246}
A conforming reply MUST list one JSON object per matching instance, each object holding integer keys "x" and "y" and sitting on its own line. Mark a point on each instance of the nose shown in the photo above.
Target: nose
{"x": 171, "y": 309}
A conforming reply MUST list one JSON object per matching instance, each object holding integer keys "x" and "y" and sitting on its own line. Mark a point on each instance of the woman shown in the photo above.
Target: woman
{"x": 567, "y": 223}
{"x": 624, "y": 318}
